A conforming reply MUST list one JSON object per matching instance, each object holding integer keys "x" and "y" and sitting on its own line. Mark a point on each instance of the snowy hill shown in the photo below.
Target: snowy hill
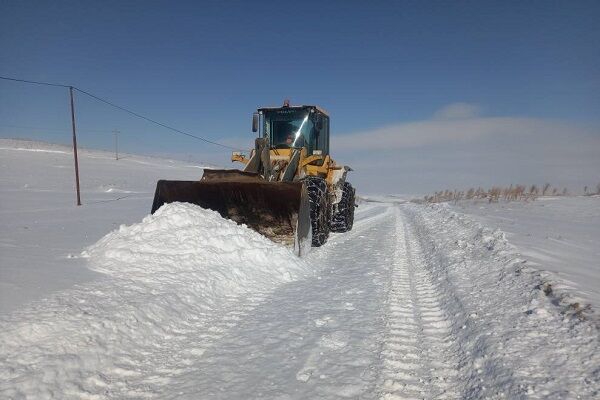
{"x": 417, "y": 301}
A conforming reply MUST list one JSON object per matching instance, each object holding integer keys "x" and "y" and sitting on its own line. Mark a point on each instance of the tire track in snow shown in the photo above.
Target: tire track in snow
{"x": 419, "y": 359}
{"x": 314, "y": 338}
{"x": 366, "y": 217}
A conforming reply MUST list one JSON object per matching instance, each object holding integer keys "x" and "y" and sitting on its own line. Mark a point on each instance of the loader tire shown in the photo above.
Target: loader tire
{"x": 319, "y": 210}
{"x": 342, "y": 217}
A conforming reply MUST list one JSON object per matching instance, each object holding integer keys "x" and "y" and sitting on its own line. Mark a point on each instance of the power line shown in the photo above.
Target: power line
{"x": 153, "y": 121}
{"x": 34, "y": 82}
{"x": 122, "y": 109}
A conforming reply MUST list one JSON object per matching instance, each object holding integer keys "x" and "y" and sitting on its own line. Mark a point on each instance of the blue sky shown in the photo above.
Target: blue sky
{"x": 376, "y": 66}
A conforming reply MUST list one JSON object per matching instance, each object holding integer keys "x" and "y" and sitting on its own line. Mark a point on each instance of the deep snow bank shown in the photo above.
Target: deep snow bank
{"x": 184, "y": 241}
{"x": 556, "y": 234}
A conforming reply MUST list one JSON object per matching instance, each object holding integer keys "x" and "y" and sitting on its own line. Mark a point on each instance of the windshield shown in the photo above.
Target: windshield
{"x": 289, "y": 128}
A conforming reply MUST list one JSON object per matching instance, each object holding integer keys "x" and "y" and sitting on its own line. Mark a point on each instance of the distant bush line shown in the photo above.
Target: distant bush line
{"x": 511, "y": 193}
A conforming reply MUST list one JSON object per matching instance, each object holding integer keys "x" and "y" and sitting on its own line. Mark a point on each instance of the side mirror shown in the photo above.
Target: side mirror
{"x": 255, "y": 122}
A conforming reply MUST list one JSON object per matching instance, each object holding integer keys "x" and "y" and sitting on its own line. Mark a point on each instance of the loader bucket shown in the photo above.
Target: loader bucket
{"x": 277, "y": 210}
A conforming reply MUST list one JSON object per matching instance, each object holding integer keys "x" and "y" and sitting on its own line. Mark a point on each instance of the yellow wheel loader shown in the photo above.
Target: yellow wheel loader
{"x": 290, "y": 188}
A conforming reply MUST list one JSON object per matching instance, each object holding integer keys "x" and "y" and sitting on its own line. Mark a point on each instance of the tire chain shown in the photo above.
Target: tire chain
{"x": 343, "y": 219}
{"x": 319, "y": 210}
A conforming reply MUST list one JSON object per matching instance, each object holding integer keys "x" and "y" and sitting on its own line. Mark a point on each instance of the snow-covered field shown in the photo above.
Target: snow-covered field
{"x": 42, "y": 229}
{"x": 104, "y": 301}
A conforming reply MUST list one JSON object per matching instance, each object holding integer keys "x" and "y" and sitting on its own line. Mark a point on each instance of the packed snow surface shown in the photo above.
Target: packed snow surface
{"x": 415, "y": 302}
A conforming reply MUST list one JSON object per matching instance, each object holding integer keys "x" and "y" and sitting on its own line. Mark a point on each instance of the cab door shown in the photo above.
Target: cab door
{"x": 322, "y": 134}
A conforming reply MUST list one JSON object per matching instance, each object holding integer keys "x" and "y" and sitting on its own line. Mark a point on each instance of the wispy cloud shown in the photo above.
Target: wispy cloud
{"x": 459, "y": 146}
{"x": 455, "y": 123}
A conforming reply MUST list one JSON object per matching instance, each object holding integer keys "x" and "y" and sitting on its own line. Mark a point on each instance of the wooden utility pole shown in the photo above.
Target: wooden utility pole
{"x": 75, "y": 147}
{"x": 116, "y": 133}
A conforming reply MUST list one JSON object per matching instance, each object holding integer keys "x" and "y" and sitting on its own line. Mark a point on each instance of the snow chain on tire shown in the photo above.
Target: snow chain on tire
{"x": 342, "y": 217}
{"x": 319, "y": 209}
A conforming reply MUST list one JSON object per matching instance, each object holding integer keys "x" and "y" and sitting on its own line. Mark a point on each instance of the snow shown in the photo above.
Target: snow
{"x": 415, "y": 302}
{"x": 516, "y": 332}
{"x": 195, "y": 248}
{"x": 42, "y": 229}
{"x": 164, "y": 277}
{"x": 560, "y": 235}
{"x": 388, "y": 198}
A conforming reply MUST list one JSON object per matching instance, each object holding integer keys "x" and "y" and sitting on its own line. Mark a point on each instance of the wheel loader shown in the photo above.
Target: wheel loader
{"x": 290, "y": 189}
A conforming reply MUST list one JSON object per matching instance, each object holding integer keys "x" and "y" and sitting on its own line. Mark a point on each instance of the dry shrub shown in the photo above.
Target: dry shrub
{"x": 495, "y": 193}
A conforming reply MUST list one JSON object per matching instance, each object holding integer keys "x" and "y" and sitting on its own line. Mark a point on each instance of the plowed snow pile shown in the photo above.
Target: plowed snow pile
{"x": 183, "y": 243}
{"x": 169, "y": 279}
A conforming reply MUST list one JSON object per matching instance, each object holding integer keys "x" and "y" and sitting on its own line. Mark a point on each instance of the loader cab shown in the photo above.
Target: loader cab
{"x": 295, "y": 127}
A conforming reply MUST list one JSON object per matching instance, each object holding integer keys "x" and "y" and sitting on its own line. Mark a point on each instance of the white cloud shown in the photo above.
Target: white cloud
{"x": 434, "y": 154}
{"x": 435, "y": 132}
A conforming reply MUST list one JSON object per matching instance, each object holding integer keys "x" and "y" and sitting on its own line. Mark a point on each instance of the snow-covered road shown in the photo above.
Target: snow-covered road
{"x": 415, "y": 302}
